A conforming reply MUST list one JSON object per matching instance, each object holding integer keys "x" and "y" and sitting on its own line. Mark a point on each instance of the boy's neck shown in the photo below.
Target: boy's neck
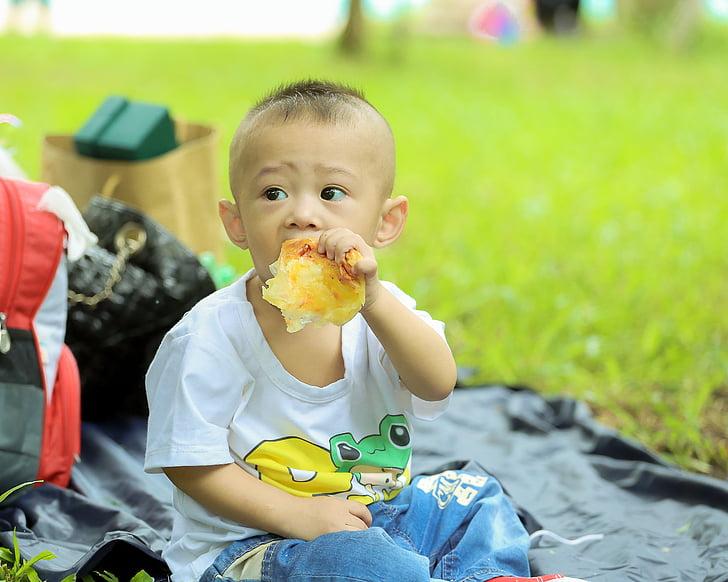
{"x": 264, "y": 311}
{"x": 318, "y": 367}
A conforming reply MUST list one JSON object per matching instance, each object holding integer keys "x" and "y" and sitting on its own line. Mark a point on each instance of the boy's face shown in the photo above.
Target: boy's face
{"x": 300, "y": 178}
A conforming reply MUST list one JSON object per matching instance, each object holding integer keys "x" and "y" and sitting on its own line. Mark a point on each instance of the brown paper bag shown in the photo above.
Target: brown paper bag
{"x": 178, "y": 189}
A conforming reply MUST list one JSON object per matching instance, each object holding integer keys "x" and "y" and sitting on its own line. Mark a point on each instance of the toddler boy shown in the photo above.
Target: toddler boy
{"x": 290, "y": 453}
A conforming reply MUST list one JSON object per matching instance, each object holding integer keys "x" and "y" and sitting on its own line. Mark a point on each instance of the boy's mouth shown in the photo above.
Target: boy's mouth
{"x": 309, "y": 234}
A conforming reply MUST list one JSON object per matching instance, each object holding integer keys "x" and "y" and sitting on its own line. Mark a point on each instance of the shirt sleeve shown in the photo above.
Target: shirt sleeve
{"x": 193, "y": 393}
{"x": 422, "y": 409}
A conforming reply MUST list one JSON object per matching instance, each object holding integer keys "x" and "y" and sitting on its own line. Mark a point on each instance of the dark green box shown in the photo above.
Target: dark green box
{"x": 126, "y": 130}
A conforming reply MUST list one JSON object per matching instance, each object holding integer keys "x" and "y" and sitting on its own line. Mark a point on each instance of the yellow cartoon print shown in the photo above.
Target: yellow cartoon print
{"x": 374, "y": 468}
{"x": 297, "y": 466}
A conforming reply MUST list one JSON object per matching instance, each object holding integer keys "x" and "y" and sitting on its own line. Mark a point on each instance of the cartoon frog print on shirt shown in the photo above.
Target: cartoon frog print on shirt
{"x": 377, "y": 463}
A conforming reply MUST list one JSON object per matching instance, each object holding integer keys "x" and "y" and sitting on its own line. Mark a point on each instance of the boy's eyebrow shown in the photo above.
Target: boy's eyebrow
{"x": 334, "y": 170}
{"x": 275, "y": 168}
{"x": 319, "y": 167}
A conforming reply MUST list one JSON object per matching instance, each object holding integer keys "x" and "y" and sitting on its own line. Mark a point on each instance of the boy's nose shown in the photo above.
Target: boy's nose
{"x": 304, "y": 216}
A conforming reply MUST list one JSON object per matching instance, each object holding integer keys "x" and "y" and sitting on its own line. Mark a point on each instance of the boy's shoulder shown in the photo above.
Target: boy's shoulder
{"x": 206, "y": 343}
{"x": 213, "y": 314}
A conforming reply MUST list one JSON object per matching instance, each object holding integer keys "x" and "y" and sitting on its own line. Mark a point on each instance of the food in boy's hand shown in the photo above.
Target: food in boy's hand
{"x": 308, "y": 287}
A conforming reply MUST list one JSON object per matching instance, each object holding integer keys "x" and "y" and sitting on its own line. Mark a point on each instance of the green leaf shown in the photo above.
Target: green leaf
{"x": 107, "y": 576}
{"x": 16, "y": 548}
{"x": 23, "y": 571}
{"x": 6, "y": 555}
{"x": 9, "y": 492}
{"x": 142, "y": 576}
{"x": 69, "y": 578}
{"x": 28, "y": 565}
{"x": 33, "y": 576}
{"x": 44, "y": 555}
{"x": 87, "y": 578}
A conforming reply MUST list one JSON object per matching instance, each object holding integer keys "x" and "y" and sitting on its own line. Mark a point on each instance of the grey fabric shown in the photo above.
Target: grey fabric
{"x": 21, "y": 411}
{"x": 564, "y": 471}
{"x": 20, "y": 434}
{"x": 576, "y": 477}
{"x": 114, "y": 516}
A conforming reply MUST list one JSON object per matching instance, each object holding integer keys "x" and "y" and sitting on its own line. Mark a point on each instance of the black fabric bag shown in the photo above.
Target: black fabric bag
{"x": 124, "y": 295}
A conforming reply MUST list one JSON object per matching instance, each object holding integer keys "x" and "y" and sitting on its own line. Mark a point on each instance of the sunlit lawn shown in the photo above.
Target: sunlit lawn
{"x": 569, "y": 203}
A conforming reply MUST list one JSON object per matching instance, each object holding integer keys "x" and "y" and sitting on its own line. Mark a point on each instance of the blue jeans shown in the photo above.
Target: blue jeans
{"x": 450, "y": 526}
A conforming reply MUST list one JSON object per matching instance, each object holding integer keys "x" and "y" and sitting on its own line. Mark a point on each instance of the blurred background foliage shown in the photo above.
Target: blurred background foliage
{"x": 567, "y": 184}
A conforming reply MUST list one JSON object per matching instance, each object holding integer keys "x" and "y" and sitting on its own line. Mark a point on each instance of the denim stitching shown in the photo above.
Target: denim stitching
{"x": 389, "y": 510}
{"x": 406, "y": 537}
{"x": 478, "y": 575}
{"x": 448, "y": 563}
{"x": 268, "y": 556}
{"x": 241, "y": 549}
{"x": 265, "y": 566}
{"x": 207, "y": 575}
{"x": 230, "y": 557}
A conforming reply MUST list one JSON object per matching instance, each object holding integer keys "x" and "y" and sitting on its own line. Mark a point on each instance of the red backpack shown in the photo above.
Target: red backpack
{"x": 40, "y": 424}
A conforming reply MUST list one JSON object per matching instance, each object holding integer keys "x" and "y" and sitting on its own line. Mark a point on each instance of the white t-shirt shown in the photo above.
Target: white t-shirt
{"x": 217, "y": 395}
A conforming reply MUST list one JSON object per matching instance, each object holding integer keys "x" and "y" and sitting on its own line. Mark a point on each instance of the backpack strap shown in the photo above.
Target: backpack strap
{"x": 61, "y": 442}
{"x": 31, "y": 245}
{"x": 33, "y": 256}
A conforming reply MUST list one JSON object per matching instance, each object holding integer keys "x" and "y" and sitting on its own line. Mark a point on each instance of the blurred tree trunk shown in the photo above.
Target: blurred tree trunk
{"x": 674, "y": 22}
{"x": 686, "y": 18}
{"x": 352, "y": 39}
{"x": 643, "y": 15}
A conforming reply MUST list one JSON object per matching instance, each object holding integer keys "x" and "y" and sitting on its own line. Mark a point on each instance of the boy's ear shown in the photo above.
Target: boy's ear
{"x": 230, "y": 216}
{"x": 392, "y": 221}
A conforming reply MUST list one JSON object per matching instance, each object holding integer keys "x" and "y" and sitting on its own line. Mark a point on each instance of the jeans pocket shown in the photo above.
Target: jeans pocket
{"x": 240, "y": 561}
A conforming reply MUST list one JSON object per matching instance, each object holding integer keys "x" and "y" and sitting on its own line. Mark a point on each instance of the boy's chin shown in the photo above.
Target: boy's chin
{"x": 261, "y": 269}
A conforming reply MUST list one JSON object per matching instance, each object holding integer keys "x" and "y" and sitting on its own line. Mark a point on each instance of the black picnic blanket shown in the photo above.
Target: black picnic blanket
{"x": 565, "y": 473}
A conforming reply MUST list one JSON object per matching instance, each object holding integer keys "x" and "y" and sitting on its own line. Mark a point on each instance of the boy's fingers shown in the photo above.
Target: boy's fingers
{"x": 343, "y": 246}
{"x": 357, "y": 524}
{"x": 366, "y": 266}
{"x": 361, "y": 511}
{"x": 331, "y": 242}
{"x": 323, "y": 241}
{"x": 326, "y": 237}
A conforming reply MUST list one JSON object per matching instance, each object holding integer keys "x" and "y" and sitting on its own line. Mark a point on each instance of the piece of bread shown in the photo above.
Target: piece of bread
{"x": 308, "y": 287}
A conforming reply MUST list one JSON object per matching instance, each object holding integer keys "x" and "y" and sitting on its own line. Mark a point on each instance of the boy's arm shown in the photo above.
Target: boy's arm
{"x": 232, "y": 493}
{"x": 421, "y": 357}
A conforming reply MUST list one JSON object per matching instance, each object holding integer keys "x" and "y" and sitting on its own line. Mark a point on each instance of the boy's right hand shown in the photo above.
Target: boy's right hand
{"x": 315, "y": 516}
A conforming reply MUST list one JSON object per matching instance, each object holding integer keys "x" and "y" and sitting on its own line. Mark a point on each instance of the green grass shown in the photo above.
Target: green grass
{"x": 14, "y": 568}
{"x": 568, "y": 199}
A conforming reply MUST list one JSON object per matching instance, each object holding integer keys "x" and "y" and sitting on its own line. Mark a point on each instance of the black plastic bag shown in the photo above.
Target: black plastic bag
{"x": 124, "y": 295}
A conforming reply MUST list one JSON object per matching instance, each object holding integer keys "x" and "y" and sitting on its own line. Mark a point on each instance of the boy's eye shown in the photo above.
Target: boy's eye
{"x": 332, "y": 194}
{"x": 275, "y": 194}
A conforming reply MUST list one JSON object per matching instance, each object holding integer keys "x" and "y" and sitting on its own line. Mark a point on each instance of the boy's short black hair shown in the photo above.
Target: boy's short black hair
{"x": 315, "y": 100}
{"x": 324, "y": 101}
